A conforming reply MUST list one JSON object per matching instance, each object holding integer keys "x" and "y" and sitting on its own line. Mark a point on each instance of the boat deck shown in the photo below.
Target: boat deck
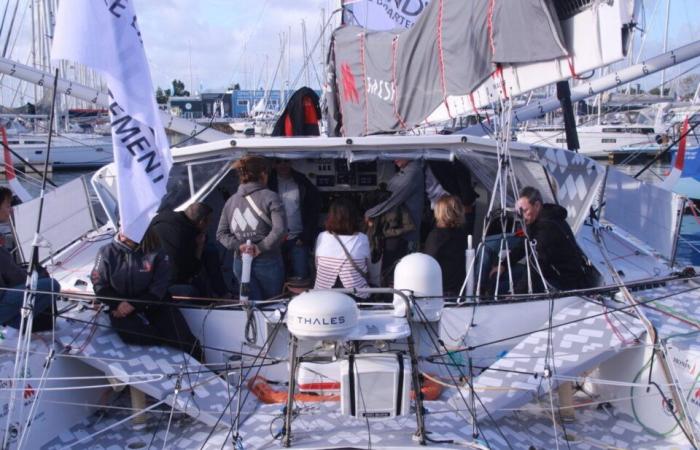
{"x": 322, "y": 427}
{"x": 520, "y": 417}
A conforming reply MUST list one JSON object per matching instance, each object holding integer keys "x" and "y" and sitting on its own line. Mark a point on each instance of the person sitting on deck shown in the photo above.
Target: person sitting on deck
{"x": 562, "y": 262}
{"x": 12, "y": 282}
{"x": 342, "y": 252}
{"x": 447, "y": 242}
{"x": 255, "y": 213}
{"x": 132, "y": 280}
{"x": 195, "y": 267}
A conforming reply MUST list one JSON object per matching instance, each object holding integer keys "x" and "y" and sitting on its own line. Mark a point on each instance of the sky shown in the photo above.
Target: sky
{"x": 238, "y": 40}
{"x": 216, "y": 43}
{"x": 213, "y": 44}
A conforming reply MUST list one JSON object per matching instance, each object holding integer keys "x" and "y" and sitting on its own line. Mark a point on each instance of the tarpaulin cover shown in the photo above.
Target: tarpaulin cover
{"x": 385, "y": 81}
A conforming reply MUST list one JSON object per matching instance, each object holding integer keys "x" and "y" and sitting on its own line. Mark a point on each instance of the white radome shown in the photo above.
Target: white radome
{"x": 420, "y": 275}
{"x": 322, "y": 315}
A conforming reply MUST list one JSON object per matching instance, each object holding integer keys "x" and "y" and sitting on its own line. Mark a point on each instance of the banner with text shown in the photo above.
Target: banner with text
{"x": 105, "y": 35}
{"x": 382, "y": 15}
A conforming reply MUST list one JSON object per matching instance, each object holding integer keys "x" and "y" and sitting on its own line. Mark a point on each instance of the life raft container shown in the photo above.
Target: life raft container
{"x": 261, "y": 388}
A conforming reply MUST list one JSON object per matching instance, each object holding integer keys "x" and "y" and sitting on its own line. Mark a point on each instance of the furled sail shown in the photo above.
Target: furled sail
{"x": 461, "y": 55}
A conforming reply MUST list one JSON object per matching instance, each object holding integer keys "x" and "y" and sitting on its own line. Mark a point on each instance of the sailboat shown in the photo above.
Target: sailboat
{"x": 612, "y": 366}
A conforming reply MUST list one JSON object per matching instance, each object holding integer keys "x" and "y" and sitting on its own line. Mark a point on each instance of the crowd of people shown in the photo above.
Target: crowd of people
{"x": 274, "y": 218}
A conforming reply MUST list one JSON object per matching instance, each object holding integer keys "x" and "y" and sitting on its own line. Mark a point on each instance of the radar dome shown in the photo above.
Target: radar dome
{"x": 322, "y": 315}
{"x": 420, "y": 274}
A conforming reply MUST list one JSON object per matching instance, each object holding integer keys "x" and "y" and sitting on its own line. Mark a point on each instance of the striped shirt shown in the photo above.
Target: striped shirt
{"x": 332, "y": 263}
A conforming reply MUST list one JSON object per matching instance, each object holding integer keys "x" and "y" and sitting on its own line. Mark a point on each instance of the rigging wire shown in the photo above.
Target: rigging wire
{"x": 264, "y": 348}
{"x": 439, "y": 343}
{"x": 570, "y": 322}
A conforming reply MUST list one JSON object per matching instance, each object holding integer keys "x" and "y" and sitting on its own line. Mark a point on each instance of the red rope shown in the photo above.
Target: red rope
{"x": 489, "y": 25}
{"x": 615, "y": 330}
{"x": 693, "y": 209}
{"x": 570, "y": 60}
{"x": 499, "y": 75}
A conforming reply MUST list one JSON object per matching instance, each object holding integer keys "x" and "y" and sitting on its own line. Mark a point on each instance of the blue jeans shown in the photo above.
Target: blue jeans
{"x": 266, "y": 276}
{"x": 492, "y": 246}
{"x": 296, "y": 258}
{"x": 11, "y": 301}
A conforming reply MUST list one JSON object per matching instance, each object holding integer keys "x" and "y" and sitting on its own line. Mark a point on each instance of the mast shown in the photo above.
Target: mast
{"x": 34, "y": 19}
{"x": 663, "y": 72}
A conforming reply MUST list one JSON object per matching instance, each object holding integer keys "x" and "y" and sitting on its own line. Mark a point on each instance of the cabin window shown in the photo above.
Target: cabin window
{"x": 569, "y": 8}
{"x": 178, "y": 190}
{"x": 608, "y": 140}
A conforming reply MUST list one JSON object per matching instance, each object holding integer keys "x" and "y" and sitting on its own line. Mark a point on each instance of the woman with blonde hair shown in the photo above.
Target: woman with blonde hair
{"x": 255, "y": 213}
{"x": 447, "y": 242}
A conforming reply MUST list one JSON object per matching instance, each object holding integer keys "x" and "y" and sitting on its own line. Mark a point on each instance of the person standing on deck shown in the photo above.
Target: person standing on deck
{"x": 13, "y": 277}
{"x": 407, "y": 192}
{"x": 255, "y": 213}
{"x": 302, "y": 206}
{"x": 195, "y": 267}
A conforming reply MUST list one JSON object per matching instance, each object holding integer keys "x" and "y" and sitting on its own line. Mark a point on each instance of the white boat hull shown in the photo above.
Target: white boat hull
{"x": 70, "y": 150}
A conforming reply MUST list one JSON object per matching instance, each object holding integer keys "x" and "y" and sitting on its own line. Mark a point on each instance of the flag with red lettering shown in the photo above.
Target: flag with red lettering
{"x": 105, "y": 35}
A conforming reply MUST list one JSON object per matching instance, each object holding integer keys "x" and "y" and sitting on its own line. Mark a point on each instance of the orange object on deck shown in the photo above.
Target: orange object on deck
{"x": 265, "y": 393}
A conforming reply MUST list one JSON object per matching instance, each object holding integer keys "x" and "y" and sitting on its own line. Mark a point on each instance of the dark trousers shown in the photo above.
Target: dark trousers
{"x": 211, "y": 277}
{"x": 11, "y": 305}
{"x": 395, "y": 248}
{"x": 158, "y": 325}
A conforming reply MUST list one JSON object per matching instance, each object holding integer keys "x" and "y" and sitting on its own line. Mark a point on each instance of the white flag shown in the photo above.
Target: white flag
{"x": 383, "y": 15}
{"x": 105, "y": 35}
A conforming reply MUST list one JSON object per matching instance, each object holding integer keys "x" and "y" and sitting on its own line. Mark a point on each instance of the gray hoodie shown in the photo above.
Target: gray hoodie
{"x": 240, "y": 221}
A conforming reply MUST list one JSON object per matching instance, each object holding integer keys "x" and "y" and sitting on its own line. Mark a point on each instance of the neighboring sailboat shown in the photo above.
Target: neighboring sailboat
{"x": 684, "y": 177}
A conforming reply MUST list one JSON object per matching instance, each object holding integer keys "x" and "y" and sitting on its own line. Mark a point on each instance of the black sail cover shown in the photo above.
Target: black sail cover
{"x": 387, "y": 81}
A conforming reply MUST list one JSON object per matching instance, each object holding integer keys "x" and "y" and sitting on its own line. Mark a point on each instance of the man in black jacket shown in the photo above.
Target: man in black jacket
{"x": 131, "y": 279}
{"x": 194, "y": 268}
{"x": 302, "y": 205}
{"x": 13, "y": 278}
{"x": 562, "y": 262}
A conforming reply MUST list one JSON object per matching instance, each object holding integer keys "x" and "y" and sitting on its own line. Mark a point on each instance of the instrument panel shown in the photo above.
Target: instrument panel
{"x": 331, "y": 175}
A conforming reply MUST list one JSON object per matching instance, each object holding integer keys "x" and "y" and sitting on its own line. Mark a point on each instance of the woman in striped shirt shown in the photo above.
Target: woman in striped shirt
{"x": 342, "y": 252}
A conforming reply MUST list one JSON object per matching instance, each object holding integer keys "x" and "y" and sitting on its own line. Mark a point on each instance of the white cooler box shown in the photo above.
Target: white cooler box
{"x": 375, "y": 385}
